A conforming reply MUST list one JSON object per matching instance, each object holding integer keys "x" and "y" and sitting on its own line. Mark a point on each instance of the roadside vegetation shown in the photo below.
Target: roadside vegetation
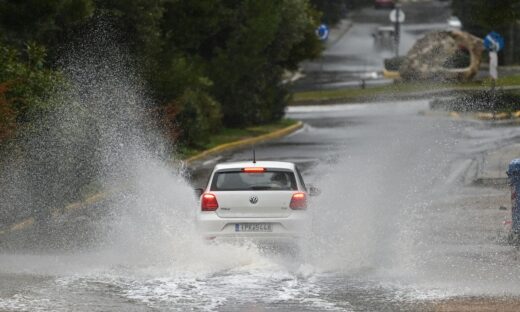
{"x": 211, "y": 71}
{"x": 479, "y": 17}
{"x": 494, "y": 101}
{"x": 228, "y": 135}
{"x": 209, "y": 65}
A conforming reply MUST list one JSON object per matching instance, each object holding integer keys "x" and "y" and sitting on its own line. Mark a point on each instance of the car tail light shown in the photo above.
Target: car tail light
{"x": 298, "y": 201}
{"x": 208, "y": 202}
{"x": 254, "y": 170}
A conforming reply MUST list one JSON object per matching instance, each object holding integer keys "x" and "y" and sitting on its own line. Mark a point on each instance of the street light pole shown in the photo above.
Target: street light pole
{"x": 397, "y": 29}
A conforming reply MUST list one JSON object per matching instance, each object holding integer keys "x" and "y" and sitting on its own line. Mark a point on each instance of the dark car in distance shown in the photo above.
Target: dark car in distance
{"x": 385, "y": 4}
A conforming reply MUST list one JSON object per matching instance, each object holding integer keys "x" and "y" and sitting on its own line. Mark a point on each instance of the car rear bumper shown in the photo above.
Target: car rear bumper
{"x": 211, "y": 226}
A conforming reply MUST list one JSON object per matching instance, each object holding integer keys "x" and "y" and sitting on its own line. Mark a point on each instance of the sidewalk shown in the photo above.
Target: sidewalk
{"x": 491, "y": 168}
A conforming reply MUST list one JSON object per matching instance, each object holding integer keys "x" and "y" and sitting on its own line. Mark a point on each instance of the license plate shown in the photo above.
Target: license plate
{"x": 253, "y": 227}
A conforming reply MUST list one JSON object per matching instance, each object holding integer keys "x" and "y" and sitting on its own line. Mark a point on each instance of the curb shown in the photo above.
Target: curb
{"x": 486, "y": 116}
{"x": 391, "y": 74}
{"x": 491, "y": 116}
{"x": 245, "y": 142}
{"x": 217, "y": 149}
{"x": 18, "y": 226}
{"x": 494, "y": 182}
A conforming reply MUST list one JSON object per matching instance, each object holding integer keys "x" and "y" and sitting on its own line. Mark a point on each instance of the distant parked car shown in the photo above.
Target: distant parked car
{"x": 387, "y": 4}
{"x": 384, "y": 37}
{"x": 454, "y": 22}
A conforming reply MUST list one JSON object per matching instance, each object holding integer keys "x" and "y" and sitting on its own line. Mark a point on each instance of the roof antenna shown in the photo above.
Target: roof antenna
{"x": 254, "y": 155}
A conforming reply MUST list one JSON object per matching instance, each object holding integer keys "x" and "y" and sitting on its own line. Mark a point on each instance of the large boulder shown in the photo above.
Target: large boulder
{"x": 443, "y": 55}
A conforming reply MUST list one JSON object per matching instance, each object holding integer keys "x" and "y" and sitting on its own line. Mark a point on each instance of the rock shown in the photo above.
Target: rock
{"x": 430, "y": 57}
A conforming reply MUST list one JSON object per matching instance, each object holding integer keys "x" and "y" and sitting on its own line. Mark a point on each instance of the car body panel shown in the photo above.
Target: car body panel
{"x": 268, "y": 215}
{"x": 238, "y": 204}
{"x": 211, "y": 225}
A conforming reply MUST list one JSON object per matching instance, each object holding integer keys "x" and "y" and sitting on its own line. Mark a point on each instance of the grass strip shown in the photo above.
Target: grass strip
{"x": 398, "y": 88}
{"x": 228, "y": 135}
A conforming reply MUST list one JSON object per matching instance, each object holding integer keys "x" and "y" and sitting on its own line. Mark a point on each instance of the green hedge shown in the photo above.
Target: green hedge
{"x": 480, "y": 101}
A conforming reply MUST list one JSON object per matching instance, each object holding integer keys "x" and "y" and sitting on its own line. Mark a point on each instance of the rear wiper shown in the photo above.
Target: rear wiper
{"x": 259, "y": 187}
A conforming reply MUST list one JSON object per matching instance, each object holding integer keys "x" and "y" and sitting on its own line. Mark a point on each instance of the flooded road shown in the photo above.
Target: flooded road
{"x": 355, "y": 55}
{"x": 395, "y": 229}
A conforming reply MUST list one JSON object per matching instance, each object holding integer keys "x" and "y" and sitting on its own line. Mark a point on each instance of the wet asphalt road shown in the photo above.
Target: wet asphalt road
{"x": 411, "y": 231}
{"x": 395, "y": 229}
{"x": 356, "y": 55}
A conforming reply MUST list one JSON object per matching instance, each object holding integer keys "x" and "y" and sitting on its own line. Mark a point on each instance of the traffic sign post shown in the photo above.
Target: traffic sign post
{"x": 493, "y": 65}
{"x": 493, "y": 42}
{"x": 397, "y": 17}
{"x": 323, "y": 34}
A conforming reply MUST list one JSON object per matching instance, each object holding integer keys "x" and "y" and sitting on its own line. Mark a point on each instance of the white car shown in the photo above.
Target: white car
{"x": 454, "y": 23}
{"x": 259, "y": 201}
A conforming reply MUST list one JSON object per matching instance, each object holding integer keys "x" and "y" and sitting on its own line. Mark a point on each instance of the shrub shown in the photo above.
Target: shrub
{"x": 480, "y": 101}
{"x": 393, "y": 64}
{"x": 7, "y": 114}
{"x": 460, "y": 59}
{"x": 192, "y": 119}
{"x": 31, "y": 84}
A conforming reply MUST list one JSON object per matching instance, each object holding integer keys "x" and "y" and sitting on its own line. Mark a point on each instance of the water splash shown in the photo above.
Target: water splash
{"x": 367, "y": 219}
{"x": 102, "y": 135}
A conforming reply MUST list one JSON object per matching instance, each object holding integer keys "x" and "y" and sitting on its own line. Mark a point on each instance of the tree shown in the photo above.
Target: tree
{"x": 44, "y": 22}
{"x": 333, "y": 10}
{"x": 137, "y": 23}
{"x": 28, "y": 82}
{"x": 243, "y": 47}
{"x": 231, "y": 53}
{"x": 271, "y": 36}
{"x": 7, "y": 114}
{"x": 481, "y": 16}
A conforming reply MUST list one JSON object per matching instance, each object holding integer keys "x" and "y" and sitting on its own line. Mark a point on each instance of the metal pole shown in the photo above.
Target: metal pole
{"x": 493, "y": 98}
{"x": 320, "y": 80}
{"x": 397, "y": 29}
{"x": 493, "y": 68}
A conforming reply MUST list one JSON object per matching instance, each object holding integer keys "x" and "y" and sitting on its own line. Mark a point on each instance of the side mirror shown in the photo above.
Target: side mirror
{"x": 314, "y": 191}
{"x": 198, "y": 192}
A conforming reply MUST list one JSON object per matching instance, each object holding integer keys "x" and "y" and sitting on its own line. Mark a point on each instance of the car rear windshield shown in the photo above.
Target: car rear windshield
{"x": 243, "y": 181}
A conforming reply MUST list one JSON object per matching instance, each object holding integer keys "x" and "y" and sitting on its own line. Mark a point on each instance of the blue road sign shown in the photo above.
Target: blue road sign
{"x": 494, "y": 41}
{"x": 322, "y": 32}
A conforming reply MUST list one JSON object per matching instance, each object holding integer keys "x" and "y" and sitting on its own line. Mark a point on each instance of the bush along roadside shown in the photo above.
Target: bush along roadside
{"x": 231, "y": 135}
{"x": 223, "y": 68}
{"x": 493, "y": 101}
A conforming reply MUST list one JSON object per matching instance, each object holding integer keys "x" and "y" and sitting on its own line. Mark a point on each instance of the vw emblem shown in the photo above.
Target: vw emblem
{"x": 253, "y": 199}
